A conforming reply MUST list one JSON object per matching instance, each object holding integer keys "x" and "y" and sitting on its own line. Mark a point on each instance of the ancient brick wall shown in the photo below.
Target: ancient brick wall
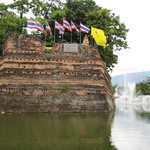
{"x": 70, "y": 78}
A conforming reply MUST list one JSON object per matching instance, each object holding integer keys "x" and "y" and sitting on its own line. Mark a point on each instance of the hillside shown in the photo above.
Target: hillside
{"x": 130, "y": 78}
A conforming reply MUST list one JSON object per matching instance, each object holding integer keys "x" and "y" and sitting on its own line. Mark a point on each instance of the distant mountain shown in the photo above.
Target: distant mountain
{"x": 136, "y": 77}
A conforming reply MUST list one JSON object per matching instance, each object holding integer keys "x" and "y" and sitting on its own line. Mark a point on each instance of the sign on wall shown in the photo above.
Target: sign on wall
{"x": 71, "y": 48}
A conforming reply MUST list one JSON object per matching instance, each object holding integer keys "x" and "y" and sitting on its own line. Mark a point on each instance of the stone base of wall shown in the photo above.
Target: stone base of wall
{"x": 62, "y": 102}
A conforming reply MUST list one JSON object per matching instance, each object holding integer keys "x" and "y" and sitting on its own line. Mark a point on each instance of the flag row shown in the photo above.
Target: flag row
{"x": 61, "y": 27}
{"x": 97, "y": 34}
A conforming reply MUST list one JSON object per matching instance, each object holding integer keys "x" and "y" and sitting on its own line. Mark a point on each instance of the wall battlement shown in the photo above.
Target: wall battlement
{"x": 69, "y": 78}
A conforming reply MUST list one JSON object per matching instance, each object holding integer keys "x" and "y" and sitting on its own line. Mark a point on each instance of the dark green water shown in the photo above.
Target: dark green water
{"x": 128, "y": 128}
{"x": 55, "y": 131}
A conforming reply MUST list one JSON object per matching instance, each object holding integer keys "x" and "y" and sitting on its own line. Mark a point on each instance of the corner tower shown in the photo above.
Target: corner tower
{"x": 69, "y": 78}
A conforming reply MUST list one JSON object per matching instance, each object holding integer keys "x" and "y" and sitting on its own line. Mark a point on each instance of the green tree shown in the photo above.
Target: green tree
{"x": 43, "y": 9}
{"x": 143, "y": 87}
{"x": 22, "y": 6}
{"x": 77, "y": 12}
{"x": 3, "y": 9}
{"x": 114, "y": 31}
{"x": 9, "y": 22}
{"x": 92, "y": 15}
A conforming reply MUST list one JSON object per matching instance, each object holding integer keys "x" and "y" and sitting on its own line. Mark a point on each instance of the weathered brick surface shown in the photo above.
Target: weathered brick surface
{"x": 34, "y": 80}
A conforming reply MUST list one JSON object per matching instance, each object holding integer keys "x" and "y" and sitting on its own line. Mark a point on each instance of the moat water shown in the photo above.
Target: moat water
{"x": 128, "y": 128}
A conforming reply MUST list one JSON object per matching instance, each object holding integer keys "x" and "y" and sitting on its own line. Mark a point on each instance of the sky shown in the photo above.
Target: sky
{"x": 135, "y": 15}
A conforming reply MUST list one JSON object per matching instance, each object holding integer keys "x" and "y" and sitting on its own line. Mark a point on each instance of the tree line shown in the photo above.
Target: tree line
{"x": 143, "y": 87}
{"x": 85, "y": 11}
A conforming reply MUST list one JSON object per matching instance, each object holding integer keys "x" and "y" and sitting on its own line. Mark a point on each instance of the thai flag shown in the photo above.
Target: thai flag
{"x": 62, "y": 30}
{"x": 48, "y": 28}
{"x": 73, "y": 26}
{"x": 59, "y": 27}
{"x": 31, "y": 24}
{"x": 83, "y": 28}
{"x": 40, "y": 27}
{"x": 66, "y": 25}
{"x": 35, "y": 25}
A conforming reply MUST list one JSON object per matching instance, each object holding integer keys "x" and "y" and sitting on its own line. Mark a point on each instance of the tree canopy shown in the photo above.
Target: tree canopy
{"x": 22, "y": 7}
{"x": 143, "y": 87}
{"x": 85, "y": 11}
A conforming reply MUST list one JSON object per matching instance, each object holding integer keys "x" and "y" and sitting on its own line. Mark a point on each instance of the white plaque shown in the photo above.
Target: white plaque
{"x": 71, "y": 48}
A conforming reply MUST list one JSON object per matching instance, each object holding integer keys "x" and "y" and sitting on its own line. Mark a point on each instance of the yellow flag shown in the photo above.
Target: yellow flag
{"x": 99, "y": 36}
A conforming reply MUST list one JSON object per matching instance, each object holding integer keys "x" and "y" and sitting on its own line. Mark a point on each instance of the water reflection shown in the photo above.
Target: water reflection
{"x": 128, "y": 128}
{"x": 56, "y": 131}
{"x": 131, "y": 126}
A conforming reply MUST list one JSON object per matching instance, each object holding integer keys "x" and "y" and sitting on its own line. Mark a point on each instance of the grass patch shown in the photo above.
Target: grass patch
{"x": 66, "y": 88}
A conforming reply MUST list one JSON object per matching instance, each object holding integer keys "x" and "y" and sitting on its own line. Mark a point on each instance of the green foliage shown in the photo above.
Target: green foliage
{"x": 77, "y": 11}
{"x": 22, "y": 6}
{"x": 66, "y": 88}
{"x": 92, "y": 15}
{"x": 3, "y": 8}
{"x": 48, "y": 59}
{"x": 44, "y": 9}
{"x": 81, "y": 61}
{"x": 9, "y": 22}
{"x": 143, "y": 87}
{"x": 114, "y": 88}
{"x": 114, "y": 31}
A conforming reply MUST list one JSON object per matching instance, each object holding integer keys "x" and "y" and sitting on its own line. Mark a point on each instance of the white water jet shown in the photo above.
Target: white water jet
{"x": 127, "y": 95}
{"x": 146, "y": 99}
{"x": 132, "y": 90}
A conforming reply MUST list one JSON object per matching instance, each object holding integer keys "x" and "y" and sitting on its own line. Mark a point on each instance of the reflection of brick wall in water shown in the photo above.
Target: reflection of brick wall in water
{"x": 70, "y": 78}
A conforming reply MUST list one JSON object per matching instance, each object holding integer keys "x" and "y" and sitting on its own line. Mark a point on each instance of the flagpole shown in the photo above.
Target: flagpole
{"x": 54, "y": 33}
{"x": 71, "y": 36}
{"x": 80, "y": 34}
{"x": 64, "y": 31}
{"x": 45, "y": 34}
{"x": 71, "y": 33}
{"x": 45, "y": 39}
{"x": 80, "y": 37}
